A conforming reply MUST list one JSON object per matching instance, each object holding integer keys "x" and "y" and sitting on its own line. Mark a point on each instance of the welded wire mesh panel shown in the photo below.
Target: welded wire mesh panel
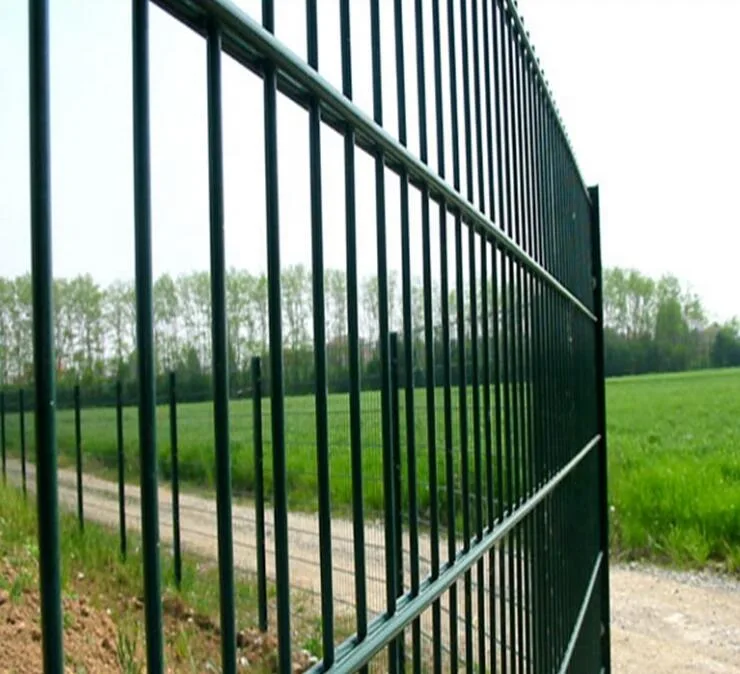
{"x": 405, "y": 437}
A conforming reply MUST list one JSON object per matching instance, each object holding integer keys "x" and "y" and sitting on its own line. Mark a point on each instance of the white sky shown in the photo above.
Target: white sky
{"x": 647, "y": 89}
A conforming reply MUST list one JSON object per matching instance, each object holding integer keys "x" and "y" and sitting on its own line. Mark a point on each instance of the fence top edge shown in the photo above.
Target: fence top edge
{"x": 523, "y": 33}
{"x": 239, "y": 27}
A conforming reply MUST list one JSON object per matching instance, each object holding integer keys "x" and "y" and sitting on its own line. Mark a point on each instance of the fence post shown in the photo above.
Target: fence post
{"x": 601, "y": 421}
{"x": 121, "y": 468}
{"x": 22, "y": 424}
{"x": 397, "y": 481}
{"x": 78, "y": 454}
{"x": 2, "y": 435}
{"x": 175, "y": 482}
{"x": 259, "y": 490}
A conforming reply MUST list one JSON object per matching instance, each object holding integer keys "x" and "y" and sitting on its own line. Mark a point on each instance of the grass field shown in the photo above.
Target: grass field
{"x": 674, "y": 470}
{"x": 196, "y": 441}
{"x": 674, "y": 467}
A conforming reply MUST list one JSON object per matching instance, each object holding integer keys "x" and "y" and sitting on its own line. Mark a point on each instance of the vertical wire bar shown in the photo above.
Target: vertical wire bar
{"x": 353, "y": 336}
{"x": 534, "y": 398}
{"x": 474, "y": 380}
{"x": 445, "y": 317}
{"x": 277, "y": 385}
{"x": 449, "y": 442}
{"x": 474, "y": 321}
{"x": 467, "y": 115}
{"x": 507, "y": 306}
{"x": 78, "y": 457}
{"x": 488, "y": 458}
{"x": 259, "y": 491}
{"x": 22, "y": 430}
{"x": 488, "y": 352}
{"x": 565, "y": 447}
{"x": 557, "y": 394}
{"x": 500, "y": 363}
{"x": 546, "y": 377}
{"x": 408, "y": 341}
{"x": 557, "y": 450}
{"x": 460, "y": 292}
{"x": 528, "y": 375}
{"x": 518, "y": 339}
{"x": 397, "y": 481}
{"x": 522, "y": 381}
{"x": 429, "y": 365}
{"x": 389, "y": 496}
{"x": 43, "y": 338}
{"x": 549, "y": 421}
{"x": 145, "y": 341}
{"x": 3, "y": 448}
{"x": 561, "y": 412}
{"x": 478, "y": 111}
{"x": 175, "y": 482}
{"x": 463, "y": 421}
{"x": 601, "y": 428}
{"x": 499, "y": 485}
{"x": 526, "y": 390}
{"x": 516, "y": 299}
{"x": 121, "y": 469}
{"x": 219, "y": 336}
{"x": 319, "y": 331}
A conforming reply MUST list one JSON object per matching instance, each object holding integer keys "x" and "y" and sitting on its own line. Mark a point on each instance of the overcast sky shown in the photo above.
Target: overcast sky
{"x": 647, "y": 89}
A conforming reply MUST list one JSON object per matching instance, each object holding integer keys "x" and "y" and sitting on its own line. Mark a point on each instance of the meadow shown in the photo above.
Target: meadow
{"x": 674, "y": 468}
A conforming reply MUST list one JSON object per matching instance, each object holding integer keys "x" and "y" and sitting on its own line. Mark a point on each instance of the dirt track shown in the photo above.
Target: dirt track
{"x": 661, "y": 621}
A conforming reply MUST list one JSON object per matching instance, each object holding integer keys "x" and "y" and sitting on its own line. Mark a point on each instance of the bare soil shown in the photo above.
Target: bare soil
{"x": 662, "y": 621}
{"x": 89, "y": 635}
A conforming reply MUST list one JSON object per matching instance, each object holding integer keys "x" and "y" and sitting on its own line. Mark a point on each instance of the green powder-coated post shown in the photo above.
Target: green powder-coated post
{"x": 177, "y": 558}
{"x": 78, "y": 456}
{"x": 601, "y": 428}
{"x": 259, "y": 490}
{"x": 22, "y": 432}
{"x": 3, "y": 448}
{"x": 121, "y": 469}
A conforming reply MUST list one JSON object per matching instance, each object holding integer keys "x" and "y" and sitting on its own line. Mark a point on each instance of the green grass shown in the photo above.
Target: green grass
{"x": 92, "y": 569}
{"x": 674, "y": 470}
{"x": 674, "y": 467}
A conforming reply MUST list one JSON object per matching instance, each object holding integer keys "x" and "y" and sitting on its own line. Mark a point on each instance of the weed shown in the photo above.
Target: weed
{"x": 126, "y": 650}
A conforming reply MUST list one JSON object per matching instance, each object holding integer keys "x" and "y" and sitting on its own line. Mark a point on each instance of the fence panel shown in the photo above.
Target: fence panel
{"x": 487, "y": 414}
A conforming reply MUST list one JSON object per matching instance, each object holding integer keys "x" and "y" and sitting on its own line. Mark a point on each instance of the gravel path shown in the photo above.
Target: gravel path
{"x": 662, "y": 621}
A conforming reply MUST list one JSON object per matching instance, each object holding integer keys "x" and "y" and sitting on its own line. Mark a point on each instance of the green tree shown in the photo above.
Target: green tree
{"x": 726, "y": 347}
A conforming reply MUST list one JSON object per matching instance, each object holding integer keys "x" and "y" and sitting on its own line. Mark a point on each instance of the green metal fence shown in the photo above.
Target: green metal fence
{"x": 494, "y": 518}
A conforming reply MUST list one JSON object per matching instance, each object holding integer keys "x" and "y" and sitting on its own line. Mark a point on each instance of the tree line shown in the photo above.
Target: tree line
{"x": 659, "y": 325}
{"x": 651, "y": 325}
{"x": 95, "y": 329}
